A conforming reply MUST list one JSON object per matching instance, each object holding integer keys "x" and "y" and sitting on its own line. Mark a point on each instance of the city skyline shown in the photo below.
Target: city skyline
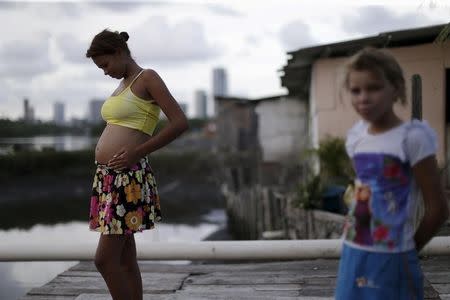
{"x": 92, "y": 114}
{"x": 250, "y": 39}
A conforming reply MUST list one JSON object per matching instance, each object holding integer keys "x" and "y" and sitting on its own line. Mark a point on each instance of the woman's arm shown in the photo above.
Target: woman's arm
{"x": 428, "y": 179}
{"x": 177, "y": 123}
{"x": 177, "y": 120}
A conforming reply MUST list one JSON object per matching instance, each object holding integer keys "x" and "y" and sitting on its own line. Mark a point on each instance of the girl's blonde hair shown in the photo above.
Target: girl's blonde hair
{"x": 382, "y": 63}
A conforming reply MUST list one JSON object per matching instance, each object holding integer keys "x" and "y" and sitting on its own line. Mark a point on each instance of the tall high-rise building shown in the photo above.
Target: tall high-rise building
{"x": 58, "y": 113}
{"x": 28, "y": 111}
{"x": 200, "y": 104}
{"x": 26, "y": 108}
{"x": 94, "y": 114}
{"x": 220, "y": 85}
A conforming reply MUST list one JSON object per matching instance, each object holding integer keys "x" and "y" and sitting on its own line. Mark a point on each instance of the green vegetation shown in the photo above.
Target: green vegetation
{"x": 81, "y": 162}
{"x": 335, "y": 165}
{"x": 10, "y": 128}
{"x": 335, "y": 169}
{"x": 45, "y": 162}
{"x": 194, "y": 124}
{"x": 444, "y": 35}
{"x": 309, "y": 193}
{"x": 184, "y": 164}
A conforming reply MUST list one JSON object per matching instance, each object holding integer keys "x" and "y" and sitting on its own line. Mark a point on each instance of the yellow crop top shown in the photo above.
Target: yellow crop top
{"x": 127, "y": 109}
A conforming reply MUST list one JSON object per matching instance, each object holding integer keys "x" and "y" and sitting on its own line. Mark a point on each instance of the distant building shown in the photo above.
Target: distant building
{"x": 28, "y": 111}
{"x": 237, "y": 125}
{"x": 282, "y": 128}
{"x": 58, "y": 113}
{"x": 94, "y": 114}
{"x": 220, "y": 85}
{"x": 271, "y": 133}
{"x": 237, "y": 137}
{"x": 200, "y": 104}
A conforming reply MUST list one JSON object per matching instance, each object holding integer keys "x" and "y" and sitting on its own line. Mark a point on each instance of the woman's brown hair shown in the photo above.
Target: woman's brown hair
{"x": 108, "y": 42}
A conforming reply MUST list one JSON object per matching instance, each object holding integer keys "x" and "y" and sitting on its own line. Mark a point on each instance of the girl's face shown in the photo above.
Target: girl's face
{"x": 372, "y": 95}
{"x": 111, "y": 64}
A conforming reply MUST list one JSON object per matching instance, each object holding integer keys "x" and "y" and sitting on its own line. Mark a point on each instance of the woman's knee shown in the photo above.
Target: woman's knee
{"x": 100, "y": 262}
{"x": 103, "y": 263}
{"x": 107, "y": 256}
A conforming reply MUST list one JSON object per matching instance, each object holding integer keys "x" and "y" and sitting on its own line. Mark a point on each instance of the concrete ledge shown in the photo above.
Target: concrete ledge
{"x": 205, "y": 250}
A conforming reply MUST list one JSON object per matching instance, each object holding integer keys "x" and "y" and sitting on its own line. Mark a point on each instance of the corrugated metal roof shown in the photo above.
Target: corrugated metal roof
{"x": 297, "y": 71}
{"x": 248, "y": 100}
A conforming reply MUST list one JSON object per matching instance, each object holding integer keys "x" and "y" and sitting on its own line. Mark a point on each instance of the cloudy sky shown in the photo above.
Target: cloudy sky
{"x": 43, "y": 44}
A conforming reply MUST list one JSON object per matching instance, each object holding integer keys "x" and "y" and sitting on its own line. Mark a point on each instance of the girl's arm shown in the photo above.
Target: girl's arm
{"x": 427, "y": 177}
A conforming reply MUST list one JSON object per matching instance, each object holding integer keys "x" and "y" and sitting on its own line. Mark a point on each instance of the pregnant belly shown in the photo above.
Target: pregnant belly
{"x": 114, "y": 138}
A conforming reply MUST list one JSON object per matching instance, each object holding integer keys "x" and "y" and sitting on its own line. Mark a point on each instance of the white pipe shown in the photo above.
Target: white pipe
{"x": 205, "y": 250}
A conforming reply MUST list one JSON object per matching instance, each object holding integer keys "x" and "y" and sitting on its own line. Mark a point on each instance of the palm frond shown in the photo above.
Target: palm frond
{"x": 444, "y": 35}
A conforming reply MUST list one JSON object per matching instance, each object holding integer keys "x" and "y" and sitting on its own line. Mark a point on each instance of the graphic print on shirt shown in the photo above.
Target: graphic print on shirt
{"x": 379, "y": 209}
{"x": 363, "y": 215}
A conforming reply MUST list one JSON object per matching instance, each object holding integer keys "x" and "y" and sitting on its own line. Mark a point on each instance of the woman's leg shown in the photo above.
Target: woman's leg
{"x": 107, "y": 261}
{"x": 130, "y": 268}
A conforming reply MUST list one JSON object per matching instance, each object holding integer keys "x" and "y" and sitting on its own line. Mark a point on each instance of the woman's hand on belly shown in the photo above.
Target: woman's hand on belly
{"x": 126, "y": 157}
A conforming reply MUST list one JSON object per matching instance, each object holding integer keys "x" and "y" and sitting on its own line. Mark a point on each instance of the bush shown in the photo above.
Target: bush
{"x": 308, "y": 194}
{"x": 335, "y": 169}
{"x": 335, "y": 165}
{"x": 45, "y": 162}
{"x": 168, "y": 164}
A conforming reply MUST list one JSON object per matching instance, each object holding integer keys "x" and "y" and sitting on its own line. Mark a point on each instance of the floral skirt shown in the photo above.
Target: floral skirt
{"x": 124, "y": 202}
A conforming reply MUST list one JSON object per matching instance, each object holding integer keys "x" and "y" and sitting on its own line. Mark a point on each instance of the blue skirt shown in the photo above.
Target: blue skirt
{"x": 373, "y": 275}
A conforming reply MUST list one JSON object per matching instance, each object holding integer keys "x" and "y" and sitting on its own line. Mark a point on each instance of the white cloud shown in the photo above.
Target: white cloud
{"x": 371, "y": 20}
{"x": 295, "y": 35}
{"x": 24, "y": 59}
{"x": 72, "y": 49}
{"x": 157, "y": 40}
{"x": 224, "y": 10}
{"x": 123, "y": 6}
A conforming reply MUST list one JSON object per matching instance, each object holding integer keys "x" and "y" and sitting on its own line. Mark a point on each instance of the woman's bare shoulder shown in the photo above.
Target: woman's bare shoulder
{"x": 150, "y": 74}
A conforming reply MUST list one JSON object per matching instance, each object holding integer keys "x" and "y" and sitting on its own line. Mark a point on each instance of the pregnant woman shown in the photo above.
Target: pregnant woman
{"x": 124, "y": 196}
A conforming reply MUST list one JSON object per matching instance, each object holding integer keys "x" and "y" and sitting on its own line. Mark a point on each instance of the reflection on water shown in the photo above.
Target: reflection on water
{"x": 38, "y": 143}
{"x": 16, "y": 278}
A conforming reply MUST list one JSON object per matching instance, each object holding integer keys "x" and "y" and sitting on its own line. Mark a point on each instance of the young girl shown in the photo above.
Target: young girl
{"x": 394, "y": 161}
{"x": 124, "y": 196}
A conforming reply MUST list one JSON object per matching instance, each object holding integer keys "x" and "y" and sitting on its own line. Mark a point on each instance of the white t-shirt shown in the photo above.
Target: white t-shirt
{"x": 381, "y": 216}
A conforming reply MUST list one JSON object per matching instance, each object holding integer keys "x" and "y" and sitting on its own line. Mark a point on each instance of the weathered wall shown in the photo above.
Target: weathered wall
{"x": 258, "y": 210}
{"x": 282, "y": 131}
